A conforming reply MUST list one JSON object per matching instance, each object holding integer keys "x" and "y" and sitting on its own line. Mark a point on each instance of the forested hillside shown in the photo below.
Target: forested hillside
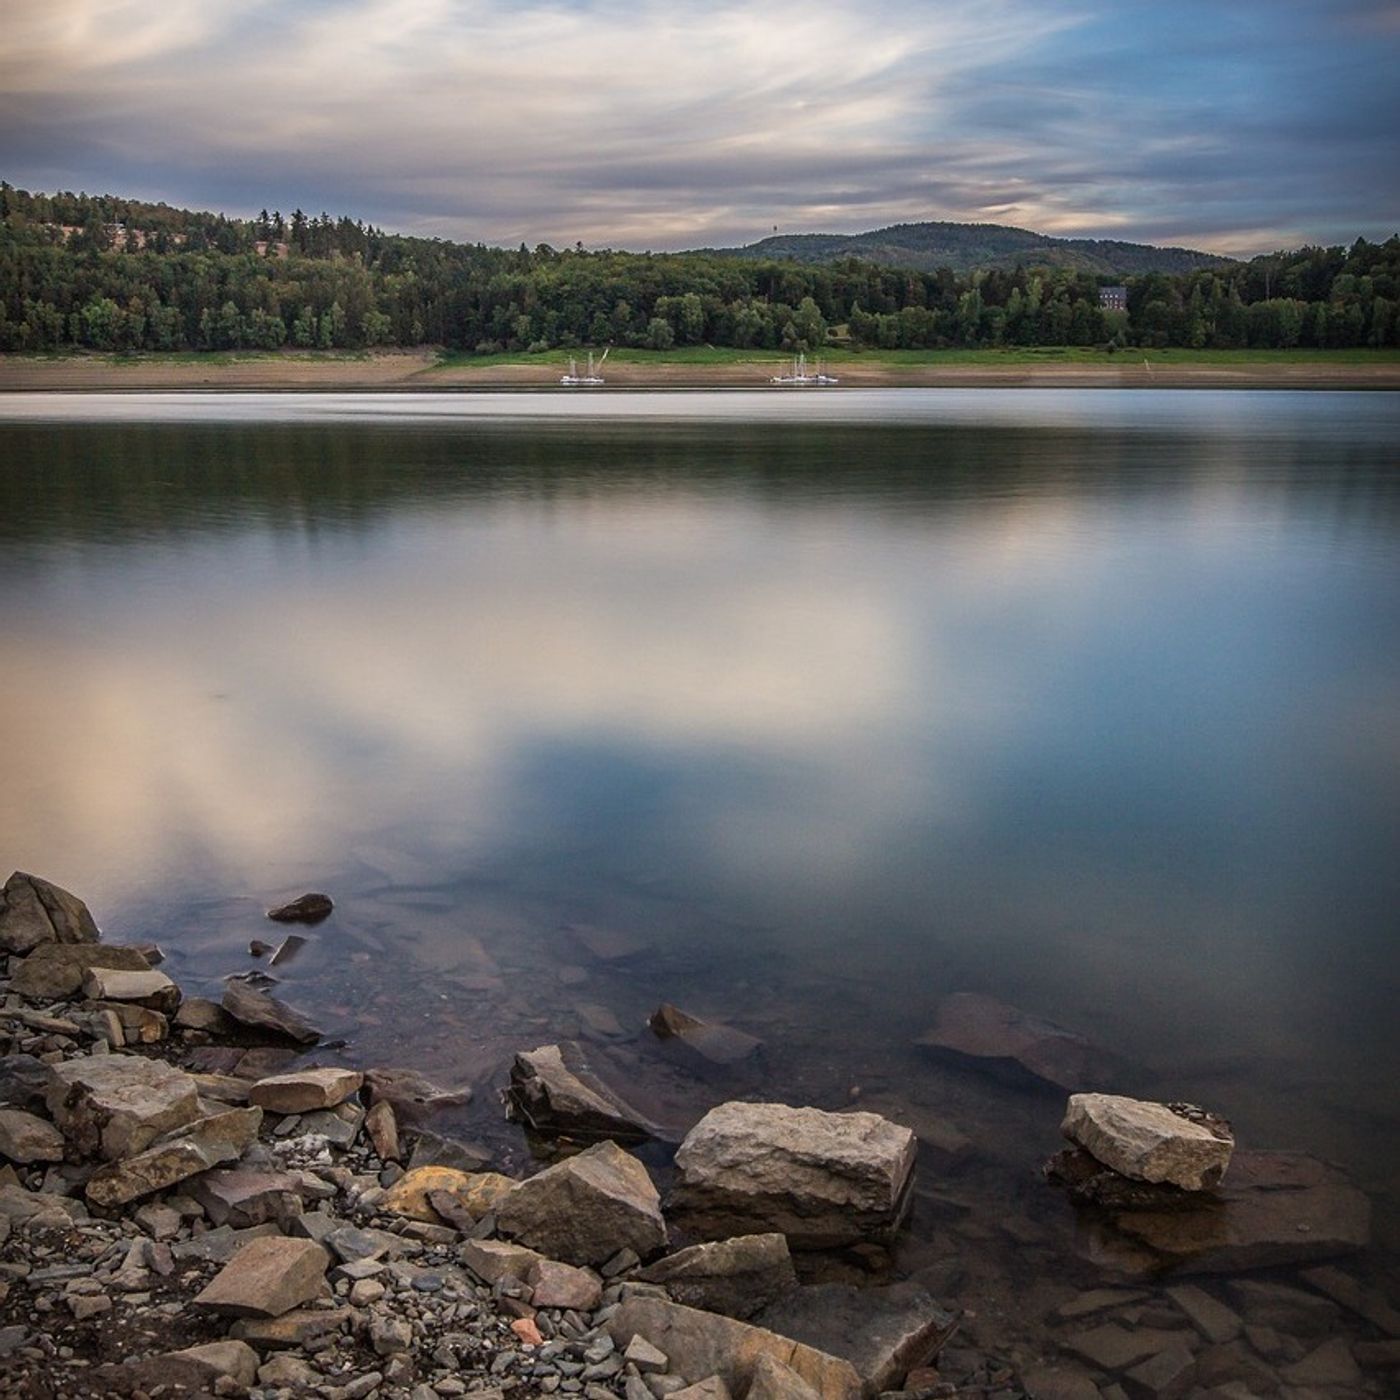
{"x": 113, "y": 274}
{"x": 968, "y": 248}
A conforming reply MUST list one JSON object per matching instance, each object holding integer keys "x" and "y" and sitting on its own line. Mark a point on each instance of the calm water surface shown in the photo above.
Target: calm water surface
{"x": 1088, "y": 700}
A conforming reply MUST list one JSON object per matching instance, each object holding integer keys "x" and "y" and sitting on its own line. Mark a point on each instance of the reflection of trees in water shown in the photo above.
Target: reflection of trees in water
{"x": 66, "y": 481}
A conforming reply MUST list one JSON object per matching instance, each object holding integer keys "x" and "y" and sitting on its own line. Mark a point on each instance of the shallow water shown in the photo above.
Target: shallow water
{"x": 1089, "y": 700}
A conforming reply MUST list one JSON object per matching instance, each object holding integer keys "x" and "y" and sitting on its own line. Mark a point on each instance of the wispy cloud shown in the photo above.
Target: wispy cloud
{"x": 671, "y": 124}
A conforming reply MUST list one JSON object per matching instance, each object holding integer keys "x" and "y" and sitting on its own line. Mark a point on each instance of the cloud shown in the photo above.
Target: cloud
{"x": 672, "y": 124}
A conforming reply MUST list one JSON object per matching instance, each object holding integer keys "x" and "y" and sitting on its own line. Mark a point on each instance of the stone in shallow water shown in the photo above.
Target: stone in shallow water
{"x": 308, "y": 909}
{"x": 736, "y": 1277}
{"x": 1149, "y": 1141}
{"x": 1113, "y": 1347}
{"x": 822, "y": 1179}
{"x": 413, "y": 1097}
{"x": 554, "y": 1091}
{"x": 883, "y": 1332}
{"x": 706, "y": 1041}
{"x": 34, "y": 911}
{"x": 609, "y": 944}
{"x": 116, "y": 1105}
{"x": 988, "y": 1033}
{"x": 586, "y": 1208}
{"x": 251, "y": 1007}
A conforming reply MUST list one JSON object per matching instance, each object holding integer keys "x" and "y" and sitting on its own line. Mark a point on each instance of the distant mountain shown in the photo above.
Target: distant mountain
{"x": 971, "y": 247}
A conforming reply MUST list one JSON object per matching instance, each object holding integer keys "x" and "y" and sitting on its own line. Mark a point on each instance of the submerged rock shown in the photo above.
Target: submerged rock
{"x": 412, "y": 1096}
{"x": 1151, "y": 1141}
{"x": 33, "y": 911}
{"x": 251, "y": 1007}
{"x": 708, "y": 1042}
{"x": 307, "y": 909}
{"x": 584, "y": 1209}
{"x": 988, "y": 1033}
{"x": 822, "y": 1179}
{"x": 554, "y": 1092}
{"x": 736, "y": 1277}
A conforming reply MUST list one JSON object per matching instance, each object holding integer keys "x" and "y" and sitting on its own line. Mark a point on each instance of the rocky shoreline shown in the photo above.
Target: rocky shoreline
{"x": 196, "y": 1202}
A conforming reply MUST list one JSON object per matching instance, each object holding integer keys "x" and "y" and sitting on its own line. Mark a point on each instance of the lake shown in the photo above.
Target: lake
{"x": 838, "y": 704}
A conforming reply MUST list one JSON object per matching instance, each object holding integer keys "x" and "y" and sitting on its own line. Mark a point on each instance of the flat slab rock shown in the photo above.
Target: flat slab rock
{"x": 305, "y": 1090}
{"x": 151, "y": 989}
{"x": 554, "y": 1091}
{"x": 736, "y": 1277}
{"x": 1150, "y": 1141}
{"x": 266, "y": 1278}
{"x": 54, "y": 971}
{"x": 26, "y": 1138}
{"x": 34, "y": 911}
{"x": 115, "y": 1105}
{"x": 412, "y": 1096}
{"x": 707, "y": 1041}
{"x": 699, "y": 1345}
{"x": 251, "y": 1007}
{"x": 883, "y": 1332}
{"x": 822, "y": 1179}
{"x": 989, "y": 1033}
{"x": 584, "y": 1209}
{"x": 1274, "y": 1208}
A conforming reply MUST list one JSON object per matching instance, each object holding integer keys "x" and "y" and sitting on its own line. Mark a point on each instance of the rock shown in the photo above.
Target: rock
{"x": 54, "y": 971}
{"x": 699, "y": 1345}
{"x": 711, "y": 1388}
{"x": 1166, "y": 1376}
{"x": 33, "y": 911}
{"x": 116, "y": 1105}
{"x": 1149, "y": 1141}
{"x": 1377, "y": 1356}
{"x": 555, "y": 1285}
{"x": 609, "y": 945}
{"x": 1344, "y": 1289}
{"x": 476, "y": 1192}
{"x": 206, "y": 1143}
{"x": 822, "y": 1179}
{"x": 139, "y": 1024}
{"x": 1330, "y": 1364}
{"x": 218, "y": 1246}
{"x": 289, "y": 1372}
{"x": 412, "y": 1096}
{"x": 1087, "y": 1182}
{"x": 772, "y": 1380}
{"x": 303, "y": 1090}
{"x": 222, "y": 1088}
{"x": 433, "y": 1150}
{"x": 25, "y": 1138}
{"x": 267, "y": 1278}
{"x": 1097, "y": 1300}
{"x": 1275, "y": 1208}
{"x": 553, "y": 1091}
{"x": 991, "y": 1035}
{"x": 1216, "y": 1322}
{"x": 234, "y": 1359}
{"x": 388, "y": 1335}
{"x": 584, "y": 1209}
{"x": 250, "y": 1007}
{"x": 308, "y": 909}
{"x": 883, "y": 1332}
{"x": 150, "y": 989}
{"x": 1113, "y": 1347}
{"x": 201, "y": 1014}
{"x": 736, "y": 1277}
{"x": 158, "y": 1221}
{"x": 287, "y": 949}
{"x": 383, "y": 1129}
{"x": 494, "y": 1260}
{"x": 243, "y": 1196}
{"x": 24, "y": 1081}
{"x": 705, "y": 1041}
{"x": 292, "y": 1329}
{"x": 646, "y": 1358}
{"x": 1059, "y": 1382}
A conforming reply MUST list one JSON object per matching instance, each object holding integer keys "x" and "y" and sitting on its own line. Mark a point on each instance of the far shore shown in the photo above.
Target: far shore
{"x": 428, "y": 370}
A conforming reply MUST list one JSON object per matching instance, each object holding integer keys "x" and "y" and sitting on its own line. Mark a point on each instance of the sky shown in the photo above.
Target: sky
{"x": 1238, "y": 126}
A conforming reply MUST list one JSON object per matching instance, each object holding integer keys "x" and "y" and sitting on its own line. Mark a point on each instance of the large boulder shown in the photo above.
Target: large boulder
{"x": 883, "y": 1332}
{"x": 1150, "y": 1141}
{"x": 586, "y": 1208}
{"x": 54, "y": 971}
{"x": 554, "y": 1092}
{"x": 736, "y": 1277}
{"x": 267, "y": 1278}
{"x": 33, "y": 911}
{"x": 822, "y": 1179}
{"x": 251, "y": 1007}
{"x": 699, "y": 1345}
{"x": 113, "y": 1106}
{"x": 986, "y": 1033}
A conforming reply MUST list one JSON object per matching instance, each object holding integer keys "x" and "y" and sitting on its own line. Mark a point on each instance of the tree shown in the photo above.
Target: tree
{"x": 659, "y": 334}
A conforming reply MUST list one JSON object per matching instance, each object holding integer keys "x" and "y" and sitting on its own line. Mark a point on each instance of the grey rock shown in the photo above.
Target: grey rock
{"x": 219, "y": 1245}
{"x": 1215, "y": 1320}
{"x": 243, "y": 1196}
{"x": 33, "y": 911}
{"x": 304, "y": 1090}
{"x": 583, "y": 1209}
{"x": 1168, "y": 1375}
{"x": 1113, "y": 1347}
{"x": 883, "y": 1332}
{"x": 706, "y": 1042}
{"x": 737, "y": 1277}
{"x": 151, "y": 989}
{"x": 494, "y": 1260}
{"x": 54, "y": 971}
{"x": 307, "y": 909}
{"x": 25, "y": 1138}
{"x": 412, "y": 1095}
{"x": 553, "y": 1091}
{"x": 24, "y": 1081}
{"x": 822, "y": 1179}
{"x": 1149, "y": 1141}
{"x": 266, "y": 1278}
{"x": 116, "y": 1105}
{"x": 201, "y": 1014}
{"x": 251, "y": 1007}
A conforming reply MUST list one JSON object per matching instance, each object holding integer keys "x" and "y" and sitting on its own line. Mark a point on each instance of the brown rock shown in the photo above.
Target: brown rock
{"x": 1218, "y": 1322}
{"x": 772, "y": 1380}
{"x": 116, "y": 1105}
{"x": 201, "y": 1014}
{"x": 1326, "y": 1366}
{"x": 267, "y": 1278}
{"x": 736, "y": 1277}
{"x": 413, "y": 1097}
{"x": 308, "y": 909}
{"x": 234, "y": 1359}
{"x": 383, "y": 1129}
{"x": 25, "y": 1138}
{"x": 556, "y": 1285}
{"x": 554, "y": 1091}
{"x": 476, "y": 1192}
{"x": 150, "y": 989}
{"x": 54, "y": 971}
{"x": 1166, "y": 1376}
{"x": 243, "y": 1196}
{"x": 195, "y": 1148}
{"x": 1113, "y": 1347}
{"x": 33, "y": 911}
{"x": 493, "y": 1260}
{"x": 250, "y": 1007}
{"x": 291, "y": 1329}
{"x": 990, "y": 1034}
{"x": 303, "y": 1090}
{"x": 709, "y": 1042}
{"x": 700, "y": 1345}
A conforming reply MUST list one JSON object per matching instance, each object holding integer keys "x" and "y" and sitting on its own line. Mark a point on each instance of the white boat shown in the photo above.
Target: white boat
{"x": 802, "y": 376}
{"x": 575, "y": 380}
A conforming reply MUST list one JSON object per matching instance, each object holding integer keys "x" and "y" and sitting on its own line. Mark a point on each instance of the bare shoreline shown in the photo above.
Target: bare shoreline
{"x": 421, "y": 372}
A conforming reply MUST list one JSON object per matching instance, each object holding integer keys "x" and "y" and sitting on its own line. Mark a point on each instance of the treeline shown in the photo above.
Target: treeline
{"x": 112, "y": 274}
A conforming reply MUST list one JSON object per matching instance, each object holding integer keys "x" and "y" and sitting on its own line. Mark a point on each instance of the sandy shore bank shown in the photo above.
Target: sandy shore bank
{"x": 421, "y": 371}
